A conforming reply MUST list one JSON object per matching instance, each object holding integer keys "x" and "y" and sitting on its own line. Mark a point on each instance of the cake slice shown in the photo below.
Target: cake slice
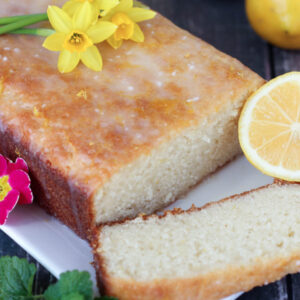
{"x": 105, "y": 146}
{"x": 226, "y": 247}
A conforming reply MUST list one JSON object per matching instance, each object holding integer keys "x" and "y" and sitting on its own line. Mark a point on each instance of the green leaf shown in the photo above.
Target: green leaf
{"x": 73, "y": 296}
{"x": 16, "y": 278}
{"x": 71, "y": 282}
{"x": 52, "y": 292}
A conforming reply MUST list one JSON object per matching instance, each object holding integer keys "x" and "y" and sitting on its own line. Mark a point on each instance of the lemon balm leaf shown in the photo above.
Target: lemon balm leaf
{"x": 71, "y": 283}
{"x": 73, "y": 296}
{"x": 16, "y": 278}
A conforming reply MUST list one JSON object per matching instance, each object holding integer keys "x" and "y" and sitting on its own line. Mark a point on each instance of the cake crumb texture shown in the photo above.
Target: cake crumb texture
{"x": 227, "y": 247}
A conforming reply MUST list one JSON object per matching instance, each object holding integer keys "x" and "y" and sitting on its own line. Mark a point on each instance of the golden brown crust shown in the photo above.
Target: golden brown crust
{"x": 102, "y": 276}
{"x": 213, "y": 286}
{"x": 52, "y": 190}
{"x": 284, "y": 182}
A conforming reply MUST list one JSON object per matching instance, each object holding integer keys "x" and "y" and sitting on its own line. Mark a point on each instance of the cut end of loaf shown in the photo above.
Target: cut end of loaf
{"x": 227, "y": 247}
{"x": 154, "y": 181}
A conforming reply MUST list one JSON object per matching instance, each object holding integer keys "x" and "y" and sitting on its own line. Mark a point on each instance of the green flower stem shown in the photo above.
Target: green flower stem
{"x": 23, "y": 22}
{"x": 13, "y": 19}
{"x": 34, "y": 31}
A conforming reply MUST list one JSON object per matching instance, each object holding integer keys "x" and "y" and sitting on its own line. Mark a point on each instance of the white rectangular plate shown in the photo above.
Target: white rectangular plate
{"x": 57, "y": 248}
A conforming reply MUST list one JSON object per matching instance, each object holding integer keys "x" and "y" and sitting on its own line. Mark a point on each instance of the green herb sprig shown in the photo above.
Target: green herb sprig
{"x": 17, "y": 276}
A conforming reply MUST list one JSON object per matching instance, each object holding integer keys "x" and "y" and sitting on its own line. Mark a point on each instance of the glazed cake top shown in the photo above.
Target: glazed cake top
{"x": 89, "y": 124}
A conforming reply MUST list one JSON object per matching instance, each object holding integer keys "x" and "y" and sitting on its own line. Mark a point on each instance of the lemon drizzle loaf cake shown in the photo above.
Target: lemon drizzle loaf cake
{"x": 130, "y": 139}
{"x": 203, "y": 254}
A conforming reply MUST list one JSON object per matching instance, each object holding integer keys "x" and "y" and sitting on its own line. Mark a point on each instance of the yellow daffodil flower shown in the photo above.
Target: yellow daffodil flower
{"x": 100, "y": 7}
{"x": 126, "y": 17}
{"x": 137, "y": 3}
{"x": 75, "y": 37}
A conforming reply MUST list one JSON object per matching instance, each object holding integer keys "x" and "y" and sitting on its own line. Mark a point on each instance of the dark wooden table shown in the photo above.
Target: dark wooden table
{"x": 223, "y": 24}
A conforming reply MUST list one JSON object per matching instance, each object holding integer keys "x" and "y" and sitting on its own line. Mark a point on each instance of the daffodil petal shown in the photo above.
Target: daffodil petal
{"x": 55, "y": 41}
{"x": 92, "y": 58}
{"x": 138, "y": 35}
{"x": 124, "y": 5}
{"x": 137, "y": 3}
{"x": 59, "y": 19}
{"x": 71, "y": 6}
{"x": 138, "y": 14}
{"x": 68, "y": 61}
{"x": 106, "y": 5}
{"x": 101, "y": 31}
{"x": 114, "y": 43}
{"x": 83, "y": 17}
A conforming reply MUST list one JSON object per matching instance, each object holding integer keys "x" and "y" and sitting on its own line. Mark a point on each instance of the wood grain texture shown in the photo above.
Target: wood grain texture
{"x": 274, "y": 291}
{"x": 223, "y": 24}
{"x": 285, "y": 61}
{"x": 295, "y": 287}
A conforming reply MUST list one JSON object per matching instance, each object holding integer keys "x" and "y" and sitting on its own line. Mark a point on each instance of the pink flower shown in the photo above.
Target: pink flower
{"x": 14, "y": 186}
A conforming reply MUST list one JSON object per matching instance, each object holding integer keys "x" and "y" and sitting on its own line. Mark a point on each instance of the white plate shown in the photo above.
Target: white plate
{"x": 57, "y": 248}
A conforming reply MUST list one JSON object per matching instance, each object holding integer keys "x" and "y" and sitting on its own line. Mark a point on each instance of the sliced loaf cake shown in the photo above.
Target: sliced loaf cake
{"x": 227, "y": 247}
{"x": 104, "y": 146}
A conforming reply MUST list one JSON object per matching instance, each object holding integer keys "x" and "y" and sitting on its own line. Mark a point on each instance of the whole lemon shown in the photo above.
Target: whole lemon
{"x": 277, "y": 21}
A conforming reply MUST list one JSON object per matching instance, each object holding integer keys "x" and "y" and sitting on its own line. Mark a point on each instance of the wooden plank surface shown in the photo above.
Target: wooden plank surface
{"x": 285, "y": 61}
{"x": 224, "y": 25}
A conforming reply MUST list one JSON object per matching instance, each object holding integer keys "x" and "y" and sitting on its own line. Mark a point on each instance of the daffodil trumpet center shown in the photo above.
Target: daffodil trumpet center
{"x": 5, "y": 188}
{"x": 125, "y": 25}
{"x": 77, "y": 41}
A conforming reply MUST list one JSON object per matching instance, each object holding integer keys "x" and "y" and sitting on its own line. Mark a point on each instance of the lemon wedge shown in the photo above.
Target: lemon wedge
{"x": 269, "y": 128}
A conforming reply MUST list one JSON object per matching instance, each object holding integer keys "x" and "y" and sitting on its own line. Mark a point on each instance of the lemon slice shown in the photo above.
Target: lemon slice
{"x": 269, "y": 128}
